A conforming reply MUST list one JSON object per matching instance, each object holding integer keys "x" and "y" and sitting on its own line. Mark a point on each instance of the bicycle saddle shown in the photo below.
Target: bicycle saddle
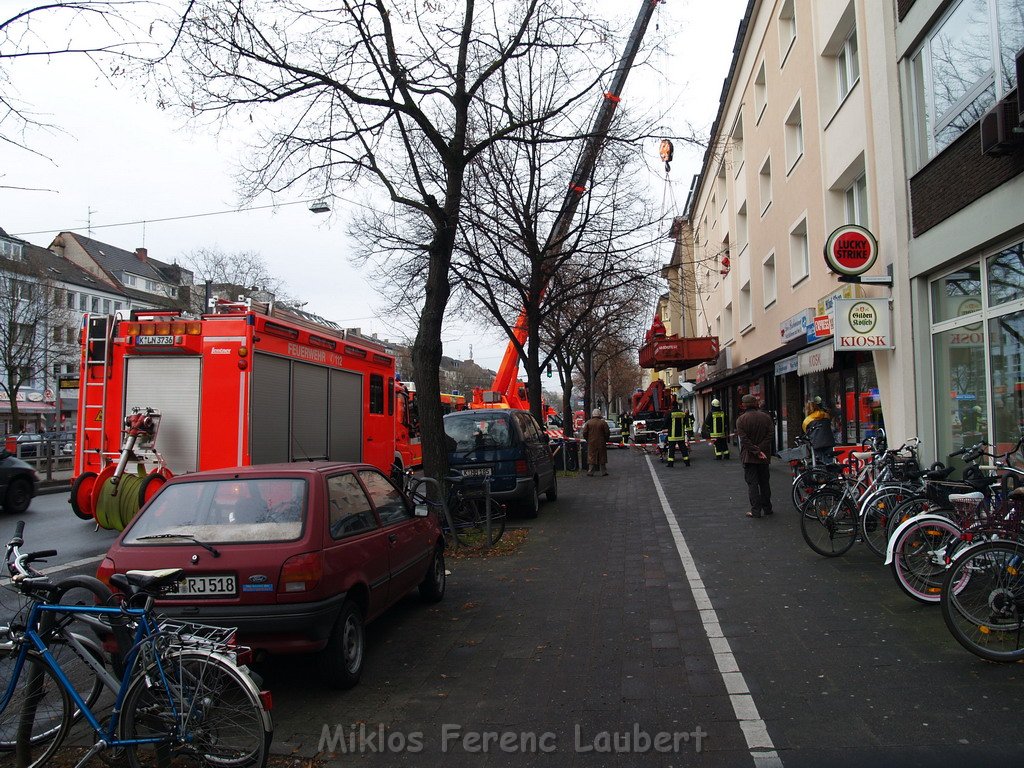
{"x": 152, "y": 582}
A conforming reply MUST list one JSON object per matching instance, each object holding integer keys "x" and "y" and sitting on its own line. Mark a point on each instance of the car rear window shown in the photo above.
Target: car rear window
{"x": 479, "y": 429}
{"x": 225, "y": 511}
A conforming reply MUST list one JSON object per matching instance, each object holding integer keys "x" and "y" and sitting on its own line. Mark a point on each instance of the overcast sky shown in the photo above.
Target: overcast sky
{"x": 119, "y": 160}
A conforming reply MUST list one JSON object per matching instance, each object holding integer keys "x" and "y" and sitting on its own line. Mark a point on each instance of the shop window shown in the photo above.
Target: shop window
{"x": 957, "y": 293}
{"x": 1006, "y": 275}
{"x": 1006, "y": 345}
{"x": 959, "y": 368}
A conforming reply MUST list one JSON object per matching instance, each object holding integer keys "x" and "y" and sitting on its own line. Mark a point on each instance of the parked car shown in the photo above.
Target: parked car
{"x": 299, "y": 557}
{"x": 30, "y": 445}
{"x": 17, "y": 483}
{"x": 507, "y": 446}
{"x": 614, "y": 430}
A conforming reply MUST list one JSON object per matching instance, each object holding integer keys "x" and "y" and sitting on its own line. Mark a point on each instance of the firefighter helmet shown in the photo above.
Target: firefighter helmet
{"x": 715, "y": 403}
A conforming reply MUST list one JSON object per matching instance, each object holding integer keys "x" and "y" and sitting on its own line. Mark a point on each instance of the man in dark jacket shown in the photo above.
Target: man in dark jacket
{"x": 754, "y": 428}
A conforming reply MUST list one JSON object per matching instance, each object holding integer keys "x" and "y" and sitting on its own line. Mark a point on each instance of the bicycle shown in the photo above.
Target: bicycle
{"x": 922, "y": 548}
{"x": 181, "y": 699}
{"x": 833, "y": 515}
{"x": 469, "y": 516}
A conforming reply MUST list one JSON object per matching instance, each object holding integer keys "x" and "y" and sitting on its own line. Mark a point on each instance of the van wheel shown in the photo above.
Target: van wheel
{"x": 552, "y": 492}
{"x": 532, "y": 504}
{"x": 433, "y": 584}
{"x": 341, "y": 661}
{"x": 19, "y": 496}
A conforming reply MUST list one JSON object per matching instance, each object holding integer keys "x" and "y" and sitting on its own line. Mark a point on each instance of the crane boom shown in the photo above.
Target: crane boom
{"x": 505, "y": 380}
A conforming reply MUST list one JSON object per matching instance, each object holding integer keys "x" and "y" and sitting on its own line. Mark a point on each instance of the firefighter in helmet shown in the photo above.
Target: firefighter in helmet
{"x": 680, "y": 426}
{"x": 715, "y": 429}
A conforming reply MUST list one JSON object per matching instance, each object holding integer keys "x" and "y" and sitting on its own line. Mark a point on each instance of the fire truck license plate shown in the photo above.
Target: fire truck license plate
{"x": 154, "y": 340}
{"x": 216, "y": 585}
{"x": 477, "y": 471}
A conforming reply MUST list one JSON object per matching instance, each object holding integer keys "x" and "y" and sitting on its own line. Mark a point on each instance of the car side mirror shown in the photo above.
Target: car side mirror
{"x": 421, "y": 510}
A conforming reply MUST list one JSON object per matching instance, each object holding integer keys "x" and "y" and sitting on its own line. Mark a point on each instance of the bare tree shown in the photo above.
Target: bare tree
{"x": 244, "y": 271}
{"x": 31, "y": 308}
{"x": 403, "y": 93}
{"x": 96, "y": 30}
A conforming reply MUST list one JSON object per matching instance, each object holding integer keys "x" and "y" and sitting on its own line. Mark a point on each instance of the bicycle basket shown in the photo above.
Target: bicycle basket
{"x": 798, "y": 453}
{"x": 938, "y": 490}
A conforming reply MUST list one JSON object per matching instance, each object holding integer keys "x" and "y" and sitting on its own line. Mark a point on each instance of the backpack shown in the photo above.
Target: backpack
{"x": 820, "y": 434}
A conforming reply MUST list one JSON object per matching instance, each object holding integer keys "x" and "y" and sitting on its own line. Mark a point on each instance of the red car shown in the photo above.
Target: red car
{"x": 297, "y": 556}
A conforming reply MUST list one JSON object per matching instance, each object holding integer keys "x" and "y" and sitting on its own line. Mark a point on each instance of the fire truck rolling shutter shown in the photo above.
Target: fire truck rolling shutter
{"x": 346, "y": 416}
{"x": 171, "y": 385}
{"x": 268, "y": 416}
{"x": 309, "y": 412}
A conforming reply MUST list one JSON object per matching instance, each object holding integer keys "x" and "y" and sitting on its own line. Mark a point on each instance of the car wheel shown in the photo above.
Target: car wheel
{"x": 552, "y": 492}
{"x": 433, "y": 584}
{"x": 19, "y": 496}
{"x": 341, "y": 661}
{"x": 532, "y": 503}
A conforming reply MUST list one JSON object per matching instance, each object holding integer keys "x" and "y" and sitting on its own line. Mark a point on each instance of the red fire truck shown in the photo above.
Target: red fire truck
{"x": 245, "y": 384}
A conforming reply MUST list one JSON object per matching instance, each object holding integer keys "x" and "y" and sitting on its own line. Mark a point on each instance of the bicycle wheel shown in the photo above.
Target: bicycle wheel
{"x": 919, "y": 557}
{"x": 875, "y": 514}
{"x": 912, "y": 507}
{"x": 829, "y": 522}
{"x": 983, "y": 600}
{"x": 36, "y": 688}
{"x": 217, "y": 717}
{"x": 806, "y": 483}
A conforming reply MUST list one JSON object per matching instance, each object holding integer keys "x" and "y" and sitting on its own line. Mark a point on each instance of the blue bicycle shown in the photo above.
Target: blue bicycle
{"x": 182, "y": 699}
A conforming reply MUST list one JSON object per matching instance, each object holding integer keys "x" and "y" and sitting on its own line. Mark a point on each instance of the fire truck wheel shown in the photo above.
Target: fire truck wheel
{"x": 81, "y": 495}
{"x": 151, "y": 483}
{"x": 552, "y": 492}
{"x": 341, "y": 661}
{"x": 531, "y": 505}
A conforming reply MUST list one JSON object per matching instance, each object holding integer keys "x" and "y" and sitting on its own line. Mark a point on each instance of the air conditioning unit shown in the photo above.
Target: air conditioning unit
{"x": 1000, "y": 129}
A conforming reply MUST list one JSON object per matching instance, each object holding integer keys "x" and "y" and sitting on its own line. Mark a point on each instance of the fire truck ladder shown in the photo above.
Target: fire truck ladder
{"x": 99, "y": 343}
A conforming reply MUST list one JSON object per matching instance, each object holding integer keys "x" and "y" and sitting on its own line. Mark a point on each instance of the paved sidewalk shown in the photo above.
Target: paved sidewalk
{"x": 592, "y": 632}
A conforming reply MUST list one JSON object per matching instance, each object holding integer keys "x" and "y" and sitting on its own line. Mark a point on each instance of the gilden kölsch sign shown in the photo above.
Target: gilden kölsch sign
{"x": 851, "y": 250}
{"x": 862, "y": 324}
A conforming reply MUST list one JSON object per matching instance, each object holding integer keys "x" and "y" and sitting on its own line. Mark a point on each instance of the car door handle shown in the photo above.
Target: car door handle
{"x": 392, "y": 537}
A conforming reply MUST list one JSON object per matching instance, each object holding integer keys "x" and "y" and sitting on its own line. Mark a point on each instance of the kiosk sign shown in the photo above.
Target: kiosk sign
{"x": 851, "y": 250}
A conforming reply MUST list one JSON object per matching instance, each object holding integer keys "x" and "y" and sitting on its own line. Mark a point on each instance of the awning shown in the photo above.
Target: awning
{"x": 28, "y": 407}
{"x": 815, "y": 359}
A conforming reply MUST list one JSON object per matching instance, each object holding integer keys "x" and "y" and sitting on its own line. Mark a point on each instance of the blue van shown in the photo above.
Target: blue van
{"x": 507, "y": 446}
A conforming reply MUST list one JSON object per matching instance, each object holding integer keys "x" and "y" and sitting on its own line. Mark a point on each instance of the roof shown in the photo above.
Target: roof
{"x": 54, "y": 268}
{"x": 116, "y": 260}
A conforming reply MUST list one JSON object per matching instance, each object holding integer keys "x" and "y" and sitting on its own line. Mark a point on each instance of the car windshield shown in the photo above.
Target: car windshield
{"x": 227, "y": 511}
{"x": 478, "y": 429}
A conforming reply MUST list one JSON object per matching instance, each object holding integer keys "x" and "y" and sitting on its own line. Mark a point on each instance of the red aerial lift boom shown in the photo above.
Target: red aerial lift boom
{"x": 507, "y": 391}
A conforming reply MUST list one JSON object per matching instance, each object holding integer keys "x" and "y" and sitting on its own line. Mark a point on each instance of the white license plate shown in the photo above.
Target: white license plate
{"x": 153, "y": 340}
{"x": 218, "y": 585}
{"x": 477, "y": 472}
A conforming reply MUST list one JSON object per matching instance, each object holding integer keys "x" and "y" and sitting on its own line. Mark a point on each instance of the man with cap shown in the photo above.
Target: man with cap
{"x": 597, "y": 434}
{"x": 715, "y": 428}
{"x": 755, "y": 429}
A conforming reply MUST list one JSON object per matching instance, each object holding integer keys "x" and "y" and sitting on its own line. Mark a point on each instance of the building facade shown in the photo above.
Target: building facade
{"x": 959, "y": 63}
{"x": 800, "y": 148}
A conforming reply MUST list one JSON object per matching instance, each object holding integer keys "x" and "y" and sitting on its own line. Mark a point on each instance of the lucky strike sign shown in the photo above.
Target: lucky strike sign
{"x": 851, "y": 250}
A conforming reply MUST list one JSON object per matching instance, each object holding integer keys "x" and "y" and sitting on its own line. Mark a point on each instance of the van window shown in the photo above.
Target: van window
{"x": 479, "y": 429}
